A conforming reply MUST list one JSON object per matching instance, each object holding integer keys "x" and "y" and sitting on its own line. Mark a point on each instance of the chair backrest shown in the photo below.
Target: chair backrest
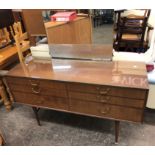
{"x": 22, "y": 45}
{"x": 17, "y": 27}
{"x": 133, "y": 24}
{"x": 21, "y": 41}
{"x": 4, "y": 34}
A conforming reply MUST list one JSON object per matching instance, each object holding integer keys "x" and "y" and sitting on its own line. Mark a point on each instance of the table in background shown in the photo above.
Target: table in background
{"x": 8, "y": 57}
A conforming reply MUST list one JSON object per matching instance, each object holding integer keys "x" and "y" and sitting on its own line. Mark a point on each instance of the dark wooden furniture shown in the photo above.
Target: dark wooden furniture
{"x": 6, "y": 18}
{"x": 112, "y": 90}
{"x": 131, "y": 31}
{"x": 117, "y": 16}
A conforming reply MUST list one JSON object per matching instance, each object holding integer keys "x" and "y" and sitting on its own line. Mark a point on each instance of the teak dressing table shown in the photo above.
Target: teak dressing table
{"x": 114, "y": 90}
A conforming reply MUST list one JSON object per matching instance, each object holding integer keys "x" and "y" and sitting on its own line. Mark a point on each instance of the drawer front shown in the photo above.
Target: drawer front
{"x": 137, "y": 103}
{"x": 42, "y": 87}
{"x": 30, "y": 82}
{"x": 38, "y": 90}
{"x": 107, "y": 90}
{"x": 106, "y": 110}
{"x": 43, "y": 101}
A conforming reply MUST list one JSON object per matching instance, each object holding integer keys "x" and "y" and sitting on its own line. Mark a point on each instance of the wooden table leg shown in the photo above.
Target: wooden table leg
{"x": 2, "y": 142}
{"x": 36, "y": 114}
{"x": 117, "y": 126}
{"x": 4, "y": 96}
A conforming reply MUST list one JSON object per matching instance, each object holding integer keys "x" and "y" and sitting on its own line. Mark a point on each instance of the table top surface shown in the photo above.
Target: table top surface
{"x": 111, "y": 73}
{"x": 6, "y": 53}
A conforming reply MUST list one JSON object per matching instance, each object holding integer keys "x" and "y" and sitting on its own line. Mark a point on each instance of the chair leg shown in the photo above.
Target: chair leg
{"x": 36, "y": 114}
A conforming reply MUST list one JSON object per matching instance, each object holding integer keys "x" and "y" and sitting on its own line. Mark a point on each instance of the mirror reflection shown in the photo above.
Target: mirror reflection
{"x": 90, "y": 26}
{"x": 80, "y": 34}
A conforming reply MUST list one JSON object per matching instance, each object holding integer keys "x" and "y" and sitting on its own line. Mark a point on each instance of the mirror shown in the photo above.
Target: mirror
{"x": 89, "y": 36}
{"x": 98, "y": 21}
{"x": 95, "y": 52}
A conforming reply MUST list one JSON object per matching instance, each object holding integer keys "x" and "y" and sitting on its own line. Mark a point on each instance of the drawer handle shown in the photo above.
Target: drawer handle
{"x": 98, "y": 97}
{"x": 35, "y": 91}
{"x": 34, "y": 84}
{"x": 108, "y": 98}
{"x": 103, "y": 101}
{"x": 105, "y": 91}
{"x": 105, "y": 111}
{"x": 98, "y": 88}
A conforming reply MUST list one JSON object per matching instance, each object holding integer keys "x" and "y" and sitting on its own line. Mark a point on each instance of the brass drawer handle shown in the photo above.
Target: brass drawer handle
{"x": 34, "y": 84}
{"x": 104, "y": 92}
{"x": 103, "y": 99}
{"x": 108, "y": 98}
{"x": 105, "y": 111}
{"x": 35, "y": 91}
{"x": 98, "y": 88}
{"x": 98, "y": 96}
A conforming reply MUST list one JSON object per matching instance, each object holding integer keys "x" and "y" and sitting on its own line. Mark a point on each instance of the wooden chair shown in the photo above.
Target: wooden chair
{"x": 131, "y": 32}
{"x": 22, "y": 45}
{"x": 17, "y": 28}
{"x": 21, "y": 41}
{"x": 4, "y": 37}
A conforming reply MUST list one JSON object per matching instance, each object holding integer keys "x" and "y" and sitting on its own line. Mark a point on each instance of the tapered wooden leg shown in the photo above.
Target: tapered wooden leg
{"x": 36, "y": 114}
{"x": 4, "y": 96}
{"x": 117, "y": 124}
{"x": 2, "y": 142}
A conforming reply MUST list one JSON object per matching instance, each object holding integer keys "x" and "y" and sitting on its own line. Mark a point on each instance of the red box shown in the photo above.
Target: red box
{"x": 64, "y": 16}
{"x": 149, "y": 67}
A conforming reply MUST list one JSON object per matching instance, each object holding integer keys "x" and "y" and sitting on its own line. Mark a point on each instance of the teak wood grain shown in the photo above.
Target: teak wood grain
{"x": 112, "y": 90}
{"x": 116, "y": 74}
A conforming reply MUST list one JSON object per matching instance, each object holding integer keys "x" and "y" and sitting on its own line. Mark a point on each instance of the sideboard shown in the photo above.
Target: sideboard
{"x": 114, "y": 90}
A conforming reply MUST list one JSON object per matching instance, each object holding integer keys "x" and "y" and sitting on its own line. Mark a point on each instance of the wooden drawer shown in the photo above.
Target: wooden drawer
{"x": 45, "y": 83}
{"x": 42, "y": 101}
{"x": 107, "y": 90}
{"x": 41, "y": 87}
{"x": 106, "y": 110}
{"x": 137, "y": 103}
{"x": 42, "y": 90}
